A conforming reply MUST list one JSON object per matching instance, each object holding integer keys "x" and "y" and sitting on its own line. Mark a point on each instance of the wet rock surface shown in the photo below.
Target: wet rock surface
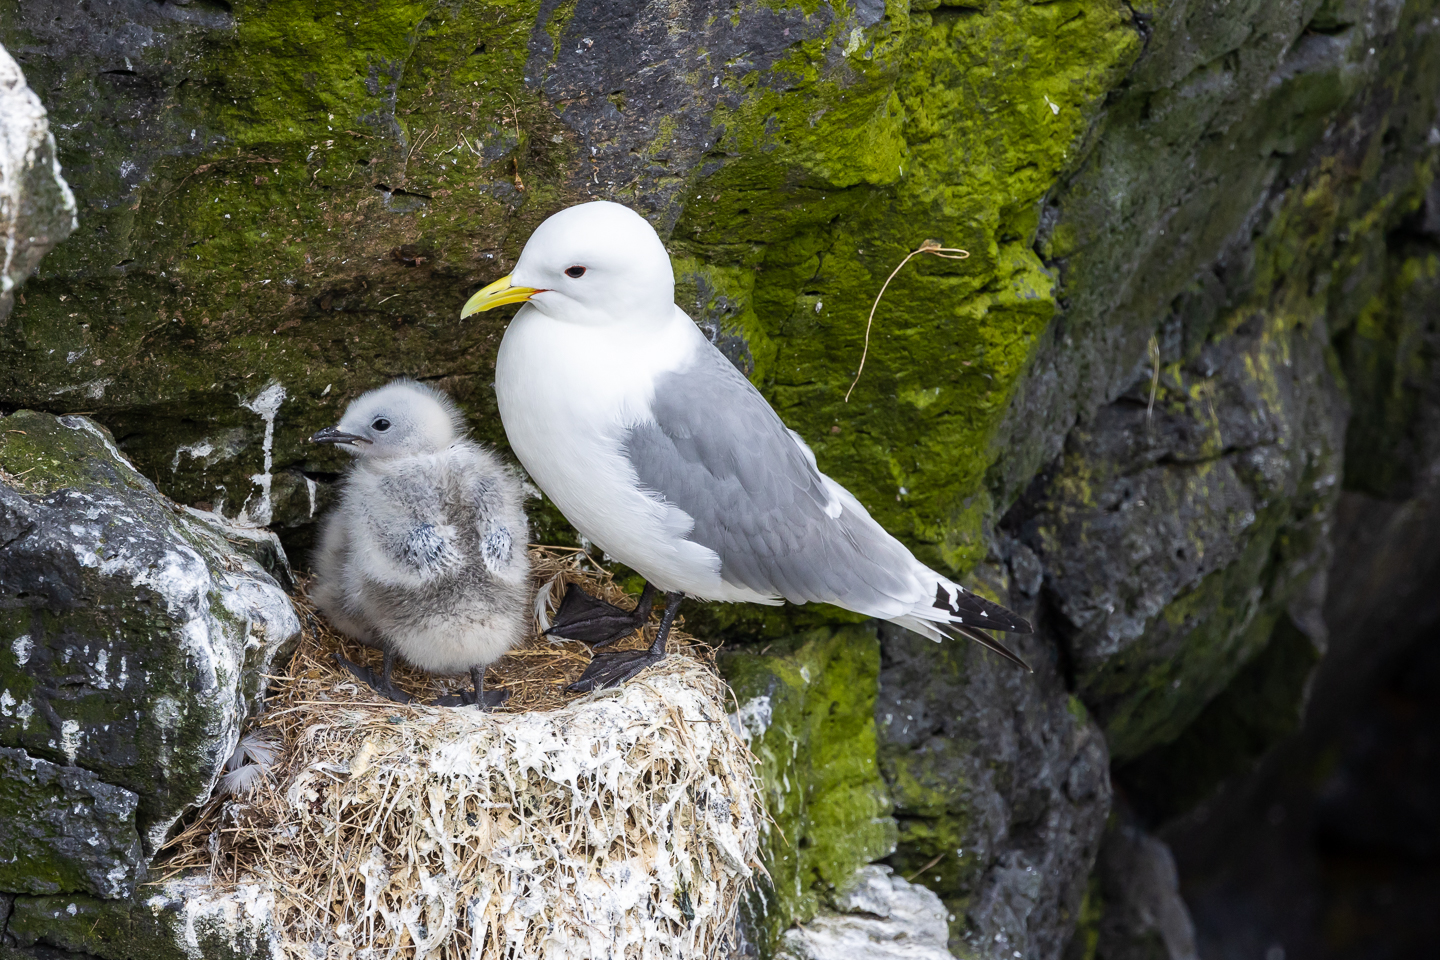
{"x": 1202, "y": 518}
{"x": 134, "y": 639}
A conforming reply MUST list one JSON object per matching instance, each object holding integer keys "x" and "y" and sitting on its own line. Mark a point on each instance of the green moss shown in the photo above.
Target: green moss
{"x": 350, "y": 177}
{"x": 1086, "y": 938}
{"x": 939, "y": 126}
{"x": 1387, "y": 355}
{"x": 143, "y": 929}
{"x": 809, "y": 704}
{"x": 1263, "y": 704}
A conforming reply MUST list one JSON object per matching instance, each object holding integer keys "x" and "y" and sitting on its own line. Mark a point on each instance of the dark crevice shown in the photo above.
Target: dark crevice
{"x": 1050, "y": 621}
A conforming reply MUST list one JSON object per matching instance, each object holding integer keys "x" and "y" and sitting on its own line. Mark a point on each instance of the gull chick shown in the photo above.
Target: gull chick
{"x": 660, "y": 452}
{"x": 424, "y": 557}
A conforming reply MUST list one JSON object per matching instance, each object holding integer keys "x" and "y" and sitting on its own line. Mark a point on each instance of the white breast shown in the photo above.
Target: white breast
{"x": 568, "y": 394}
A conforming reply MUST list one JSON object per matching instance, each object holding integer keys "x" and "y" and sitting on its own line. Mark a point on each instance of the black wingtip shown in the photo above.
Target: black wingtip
{"x": 988, "y": 642}
{"x": 972, "y": 610}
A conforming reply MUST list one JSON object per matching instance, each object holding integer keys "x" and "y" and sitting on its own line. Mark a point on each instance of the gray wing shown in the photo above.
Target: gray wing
{"x": 719, "y": 452}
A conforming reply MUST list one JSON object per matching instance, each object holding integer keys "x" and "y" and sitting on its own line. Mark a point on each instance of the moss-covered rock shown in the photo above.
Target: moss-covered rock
{"x": 134, "y": 640}
{"x": 65, "y": 829}
{"x": 1173, "y": 541}
{"x": 1000, "y": 790}
{"x": 807, "y": 705}
{"x": 282, "y": 206}
{"x": 177, "y": 921}
{"x": 268, "y": 193}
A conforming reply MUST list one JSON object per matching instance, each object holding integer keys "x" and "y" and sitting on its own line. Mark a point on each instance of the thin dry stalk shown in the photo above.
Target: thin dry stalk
{"x": 932, "y": 247}
{"x": 1154, "y": 375}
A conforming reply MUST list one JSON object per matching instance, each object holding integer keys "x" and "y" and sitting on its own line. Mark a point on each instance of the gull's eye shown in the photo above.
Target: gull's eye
{"x": 380, "y": 425}
{"x": 575, "y": 272}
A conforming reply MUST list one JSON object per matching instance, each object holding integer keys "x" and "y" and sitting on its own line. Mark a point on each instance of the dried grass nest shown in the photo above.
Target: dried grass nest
{"x": 622, "y": 824}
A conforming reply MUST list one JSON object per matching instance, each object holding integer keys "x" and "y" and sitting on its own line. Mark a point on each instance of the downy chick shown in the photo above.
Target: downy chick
{"x": 424, "y": 557}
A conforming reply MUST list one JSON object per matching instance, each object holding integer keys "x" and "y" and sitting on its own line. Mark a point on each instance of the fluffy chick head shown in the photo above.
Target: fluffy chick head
{"x": 400, "y": 419}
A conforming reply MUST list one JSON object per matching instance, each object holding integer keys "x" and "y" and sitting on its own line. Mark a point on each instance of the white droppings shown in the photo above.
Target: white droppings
{"x": 753, "y": 718}
{"x": 199, "y": 451}
{"x": 70, "y": 739}
{"x": 625, "y": 772}
{"x": 1054, "y": 107}
{"x": 266, "y": 404}
{"x": 7, "y": 704}
{"x": 119, "y": 877}
{"x": 90, "y": 427}
{"x": 310, "y": 487}
{"x": 21, "y": 647}
{"x": 102, "y": 663}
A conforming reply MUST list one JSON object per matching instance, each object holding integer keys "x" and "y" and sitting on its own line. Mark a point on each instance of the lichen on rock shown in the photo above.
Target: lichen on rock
{"x": 136, "y": 638}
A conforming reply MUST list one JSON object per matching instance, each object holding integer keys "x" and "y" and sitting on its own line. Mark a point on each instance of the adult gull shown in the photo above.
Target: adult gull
{"x": 660, "y": 452}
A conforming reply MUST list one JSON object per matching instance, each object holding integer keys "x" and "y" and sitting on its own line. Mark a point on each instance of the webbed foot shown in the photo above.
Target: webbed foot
{"x": 477, "y": 696}
{"x": 381, "y": 684}
{"x": 613, "y": 669}
{"x": 597, "y": 622}
{"x": 486, "y": 700}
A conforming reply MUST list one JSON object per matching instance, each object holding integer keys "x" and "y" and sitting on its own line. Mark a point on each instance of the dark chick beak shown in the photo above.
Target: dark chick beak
{"x": 333, "y": 435}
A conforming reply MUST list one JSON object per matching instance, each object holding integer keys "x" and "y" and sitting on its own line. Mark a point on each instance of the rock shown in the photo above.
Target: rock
{"x": 67, "y": 830}
{"x": 182, "y": 919}
{"x": 37, "y": 209}
{"x": 1240, "y": 192}
{"x": 133, "y": 643}
{"x": 806, "y": 705}
{"x": 1174, "y": 542}
{"x": 1000, "y": 788}
{"x": 1144, "y": 917}
{"x": 881, "y": 918}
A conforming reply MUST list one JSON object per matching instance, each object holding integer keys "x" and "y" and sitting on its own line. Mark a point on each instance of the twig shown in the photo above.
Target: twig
{"x": 515, "y": 117}
{"x": 932, "y": 247}
{"x": 938, "y": 857}
{"x": 1154, "y": 376}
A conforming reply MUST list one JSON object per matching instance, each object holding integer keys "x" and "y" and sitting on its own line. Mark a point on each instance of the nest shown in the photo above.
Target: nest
{"x": 622, "y": 824}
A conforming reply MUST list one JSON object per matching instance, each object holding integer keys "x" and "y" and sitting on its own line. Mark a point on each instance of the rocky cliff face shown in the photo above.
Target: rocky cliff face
{"x": 1197, "y": 314}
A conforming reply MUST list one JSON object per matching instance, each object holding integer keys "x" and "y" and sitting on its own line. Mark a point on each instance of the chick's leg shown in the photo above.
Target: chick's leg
{"x": 383, "y": 685}
{"x": 479, "y": 697}
{"x": 613, "y": 669}
{"x": 596, "y": 622}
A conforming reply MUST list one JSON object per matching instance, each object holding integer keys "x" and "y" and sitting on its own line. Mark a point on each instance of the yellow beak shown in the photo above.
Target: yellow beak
{"x": 497, "y": 294}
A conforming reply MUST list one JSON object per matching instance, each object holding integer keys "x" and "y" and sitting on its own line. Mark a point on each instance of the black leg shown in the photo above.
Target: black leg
{"x": 484, "y": 699}
{"x": 613, "y": 669}
{"x": 596, "y": 622}
{"x": 381, "y": 685}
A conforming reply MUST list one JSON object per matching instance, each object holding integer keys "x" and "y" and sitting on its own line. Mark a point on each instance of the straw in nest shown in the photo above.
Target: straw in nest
{"x": 623, "y": 824}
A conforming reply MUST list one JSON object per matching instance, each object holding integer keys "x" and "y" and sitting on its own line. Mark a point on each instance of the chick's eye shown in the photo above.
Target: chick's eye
{"x": 575, "y": 272}
{"x": 380, "y": 424}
